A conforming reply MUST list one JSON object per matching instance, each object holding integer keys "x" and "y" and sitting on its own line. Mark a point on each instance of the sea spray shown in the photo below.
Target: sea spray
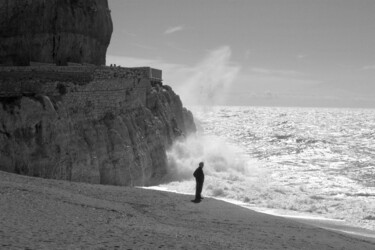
{"x": 314, "y": 162}
{"x": 208, "y": 82}
{"x": 228, "y": 171}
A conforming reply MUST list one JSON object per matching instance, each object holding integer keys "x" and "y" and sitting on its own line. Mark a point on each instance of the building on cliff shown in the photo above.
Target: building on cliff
{"x": 155, "y": 75}
{"x": 96, "y": 124}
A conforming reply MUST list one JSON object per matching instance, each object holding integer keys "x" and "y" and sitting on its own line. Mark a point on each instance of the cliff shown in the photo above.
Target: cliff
{"x": 54, "y": 31}
{"x": 92, "y": 124}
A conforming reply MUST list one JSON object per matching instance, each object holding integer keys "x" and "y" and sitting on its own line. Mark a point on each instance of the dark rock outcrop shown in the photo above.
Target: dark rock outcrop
{"x": 54, "y": 31}
{"x": 102, "y": 128}
{"x": 107, "y": 125}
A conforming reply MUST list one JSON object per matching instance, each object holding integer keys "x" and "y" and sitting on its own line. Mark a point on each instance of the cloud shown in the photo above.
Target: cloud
{"x": 247, "y": 54}
{"x": 175, "y": 46}
{"x": 368, "y": 67}
{"x": 128, "y": 33}
{"x": 143, "y": 46}
{"x": 289, "y": 73}
{"x": 171, "y": 30}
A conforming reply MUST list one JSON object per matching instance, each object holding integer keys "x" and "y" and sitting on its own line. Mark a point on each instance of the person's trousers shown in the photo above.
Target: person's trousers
{"x": 198, "y": 190}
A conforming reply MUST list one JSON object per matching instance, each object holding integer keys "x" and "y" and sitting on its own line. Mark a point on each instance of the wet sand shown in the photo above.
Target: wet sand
{"x": 50, "y": 214}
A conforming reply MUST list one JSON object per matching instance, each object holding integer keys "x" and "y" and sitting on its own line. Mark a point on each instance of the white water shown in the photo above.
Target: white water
{"x": 290, "y": 161}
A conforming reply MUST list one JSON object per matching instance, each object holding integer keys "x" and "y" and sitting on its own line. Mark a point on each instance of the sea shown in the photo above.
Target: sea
{"x": 308, "y": 162}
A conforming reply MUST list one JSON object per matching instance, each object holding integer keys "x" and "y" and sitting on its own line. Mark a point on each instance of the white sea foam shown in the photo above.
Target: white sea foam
{"x": 317, "y": 162}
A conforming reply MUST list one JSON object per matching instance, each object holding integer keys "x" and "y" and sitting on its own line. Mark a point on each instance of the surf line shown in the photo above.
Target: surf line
{"x": 317, "y": 221}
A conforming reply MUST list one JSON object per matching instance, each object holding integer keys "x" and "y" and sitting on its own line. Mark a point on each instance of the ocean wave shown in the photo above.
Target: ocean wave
{"x": 316, "y": 161}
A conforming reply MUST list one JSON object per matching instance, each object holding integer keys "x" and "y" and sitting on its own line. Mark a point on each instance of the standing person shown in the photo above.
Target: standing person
{"x": 199, "y": 178}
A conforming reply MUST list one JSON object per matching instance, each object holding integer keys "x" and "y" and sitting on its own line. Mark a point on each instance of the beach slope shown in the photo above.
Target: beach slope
{"x": 53, "y": 214}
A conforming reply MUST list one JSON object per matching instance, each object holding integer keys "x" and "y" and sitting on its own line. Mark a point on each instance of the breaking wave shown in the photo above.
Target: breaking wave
{"x": 227, "y": 168}
{"x": 310, "y": 162}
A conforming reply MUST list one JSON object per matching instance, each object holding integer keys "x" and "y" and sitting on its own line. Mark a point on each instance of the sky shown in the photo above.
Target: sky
{"x": 314, "y": 53}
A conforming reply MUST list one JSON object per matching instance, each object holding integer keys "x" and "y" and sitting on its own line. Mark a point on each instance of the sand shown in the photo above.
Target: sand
{"x": 50, "y": 214}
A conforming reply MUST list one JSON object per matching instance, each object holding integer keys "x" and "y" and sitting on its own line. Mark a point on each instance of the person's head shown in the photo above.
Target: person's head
{"x": 201, "y": 164}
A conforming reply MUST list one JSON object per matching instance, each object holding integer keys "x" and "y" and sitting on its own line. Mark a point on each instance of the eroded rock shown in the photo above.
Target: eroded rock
{"x": 54, "y": 31}
{"x": 107, "y": 130}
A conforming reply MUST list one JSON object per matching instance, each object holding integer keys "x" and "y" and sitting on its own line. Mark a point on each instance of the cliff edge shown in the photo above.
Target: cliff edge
{"x": 105, "y": 125}
{"x": 96, "y": 124}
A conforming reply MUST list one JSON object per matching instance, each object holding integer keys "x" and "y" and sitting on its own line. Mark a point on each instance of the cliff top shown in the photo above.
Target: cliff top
{"x": 110, "y": 71}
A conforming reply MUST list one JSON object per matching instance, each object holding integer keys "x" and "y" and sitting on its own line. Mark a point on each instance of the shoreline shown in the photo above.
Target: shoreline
{"x": 313, "y": 220}
{"x": 54, "y": 214}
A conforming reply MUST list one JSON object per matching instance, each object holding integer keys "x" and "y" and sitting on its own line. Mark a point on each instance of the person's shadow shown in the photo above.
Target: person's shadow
{"x": 196, "y": 201}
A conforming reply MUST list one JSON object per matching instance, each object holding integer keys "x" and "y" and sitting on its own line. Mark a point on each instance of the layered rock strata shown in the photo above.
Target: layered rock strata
{"x": 54, "y": 31}
{"x": 92, "y": 124}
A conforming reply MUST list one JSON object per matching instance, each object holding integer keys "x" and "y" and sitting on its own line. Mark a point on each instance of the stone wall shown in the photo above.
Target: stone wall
{"x": 99, "y": 89}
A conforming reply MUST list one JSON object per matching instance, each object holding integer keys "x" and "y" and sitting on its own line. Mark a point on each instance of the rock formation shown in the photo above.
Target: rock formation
{"x": 91, "y": 124}
{"x": 54, "y": 31}
{"x": 94, "y": 124}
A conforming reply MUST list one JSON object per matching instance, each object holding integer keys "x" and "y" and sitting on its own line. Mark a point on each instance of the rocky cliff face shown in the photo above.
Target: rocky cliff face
{"x": 54, "y": 31}
{"x": 103, "y": 125}
{"x": 99, "y": 125}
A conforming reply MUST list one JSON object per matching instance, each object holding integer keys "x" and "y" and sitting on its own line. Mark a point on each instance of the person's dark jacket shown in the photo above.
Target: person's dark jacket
{"x": 199, "y": 175}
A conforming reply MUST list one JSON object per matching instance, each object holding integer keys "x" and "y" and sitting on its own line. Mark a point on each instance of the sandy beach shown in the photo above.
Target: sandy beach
{"x": 51, "y": 214}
